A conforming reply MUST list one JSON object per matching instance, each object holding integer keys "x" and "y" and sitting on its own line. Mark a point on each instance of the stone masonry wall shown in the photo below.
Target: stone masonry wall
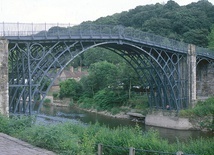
{"x": 4, "y": 101}
{"x": 205, "y": 80}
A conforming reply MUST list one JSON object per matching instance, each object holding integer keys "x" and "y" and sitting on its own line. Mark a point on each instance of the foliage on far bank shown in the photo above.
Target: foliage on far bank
{"x": 108, "y": 86}
{"x": 67, "y": 138}
{"x": 70, "y": 88}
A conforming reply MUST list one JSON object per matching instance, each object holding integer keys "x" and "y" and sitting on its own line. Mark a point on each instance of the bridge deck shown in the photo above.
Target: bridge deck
{"x": 32, "y": 31}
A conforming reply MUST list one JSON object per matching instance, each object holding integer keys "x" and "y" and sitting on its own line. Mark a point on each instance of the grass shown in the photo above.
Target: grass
{"x": 67, "y": 138}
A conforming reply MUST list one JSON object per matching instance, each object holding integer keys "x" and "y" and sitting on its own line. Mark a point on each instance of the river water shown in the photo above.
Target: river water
{"x": 53, "y": 114}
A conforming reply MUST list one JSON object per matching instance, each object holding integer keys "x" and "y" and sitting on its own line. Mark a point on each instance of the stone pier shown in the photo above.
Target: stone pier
{"x": 169, "y": 119}
{"x": 191, "y": 74}
{"x": 4, "y": 99}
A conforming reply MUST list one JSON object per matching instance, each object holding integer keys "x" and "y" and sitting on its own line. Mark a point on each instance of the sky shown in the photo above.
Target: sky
{"x": 69, "y": 11}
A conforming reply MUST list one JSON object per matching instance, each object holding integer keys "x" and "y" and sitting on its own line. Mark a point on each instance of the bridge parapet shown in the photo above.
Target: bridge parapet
{"x": 35, "y": 31}
{"x": 204, "y": 52}
{"x": 31, "y": 31}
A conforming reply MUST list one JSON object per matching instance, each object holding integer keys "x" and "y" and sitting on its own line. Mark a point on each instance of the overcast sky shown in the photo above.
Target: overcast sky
{"x": 68, "y": 11}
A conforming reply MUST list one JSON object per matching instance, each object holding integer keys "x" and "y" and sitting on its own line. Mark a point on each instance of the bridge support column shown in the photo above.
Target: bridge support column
{"x": 4, "y": 98}
{"x": 191, "y": 73}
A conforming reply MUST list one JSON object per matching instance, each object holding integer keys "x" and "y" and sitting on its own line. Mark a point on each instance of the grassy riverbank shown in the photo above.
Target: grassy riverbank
{"x": 67, "y": 138}
{"x": 202, "y": 115}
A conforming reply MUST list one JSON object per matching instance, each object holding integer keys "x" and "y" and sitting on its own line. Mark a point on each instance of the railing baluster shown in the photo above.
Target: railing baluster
{"x": 3, "y": 30}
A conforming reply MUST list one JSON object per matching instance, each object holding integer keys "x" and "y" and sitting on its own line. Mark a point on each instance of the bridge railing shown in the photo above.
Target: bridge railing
{"x": 26, "y": 29}
{"x": 20, "y": 30}
{"x": 204, "y": 52}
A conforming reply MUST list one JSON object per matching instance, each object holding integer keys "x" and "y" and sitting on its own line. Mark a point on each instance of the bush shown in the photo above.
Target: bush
{"x": 70, "y": 88}
{"x": 4, "y": 127}
{"x": 47, "y": 102}
{"x": 15, "y": 124}
{"x": 56, "y": 138}
{"x": 106, "y": 99}
{"x": 55, "y": 95}
{"x": 115, "y": 110}
{"x": 204, "y": 110}
{"x": 86, "y": 102}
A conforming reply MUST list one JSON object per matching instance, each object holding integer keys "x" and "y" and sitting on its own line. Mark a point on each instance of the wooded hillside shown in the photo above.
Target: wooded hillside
{"x": 191, "y": 23}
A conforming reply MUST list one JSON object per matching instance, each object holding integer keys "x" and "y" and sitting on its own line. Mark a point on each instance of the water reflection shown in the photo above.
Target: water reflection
{"x": 75, "y": 115}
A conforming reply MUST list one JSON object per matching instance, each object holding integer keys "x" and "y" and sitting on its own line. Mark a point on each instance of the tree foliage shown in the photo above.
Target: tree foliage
{"x": 70, "y": 88}
{"x": 211, "y": 39}
{"x": 101, "y": 75}
{"x": 100, "y": 54}
{"x": 106, "y": 99}
{"x": 169, "y": 20}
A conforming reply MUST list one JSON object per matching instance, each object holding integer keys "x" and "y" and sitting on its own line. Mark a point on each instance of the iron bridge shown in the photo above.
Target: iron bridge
{"x": 38, "y": 53}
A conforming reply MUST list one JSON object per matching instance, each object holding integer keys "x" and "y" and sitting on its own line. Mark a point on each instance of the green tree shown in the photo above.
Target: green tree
{"x": 159, "y": 26}
{"x": 88, "y": 86}
{"x": 100, "y": 54}
{"x": 70, "y": 88}
{"x": 197, "y": 37}
{"x": 211, "y": 39}
{"x": 171, "y": 20}
{"x": 102, "y": 74}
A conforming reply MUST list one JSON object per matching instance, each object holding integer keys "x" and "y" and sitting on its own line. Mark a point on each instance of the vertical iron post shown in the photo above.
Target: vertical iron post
{"x": 29, "y": 81}
{"x": 131, "y": 151}
{"x": 99, "y": 152}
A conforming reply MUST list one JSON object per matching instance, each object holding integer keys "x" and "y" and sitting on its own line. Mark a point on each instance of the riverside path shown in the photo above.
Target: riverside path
{"x": 14, "y": 146}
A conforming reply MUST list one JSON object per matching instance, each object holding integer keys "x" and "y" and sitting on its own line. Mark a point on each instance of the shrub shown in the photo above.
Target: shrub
{"x": 204, "y": 110}
{"x": 4, "y": 124}
{"x": 115, "y": 110}
{"x": 47, "y": 102}
{"x": 70, "y": 88}
{"x": 15, "y": 124}
{"x": 55, "y": 95}
{"x": 107, "y": 99}
{"x": 53, "y": 137}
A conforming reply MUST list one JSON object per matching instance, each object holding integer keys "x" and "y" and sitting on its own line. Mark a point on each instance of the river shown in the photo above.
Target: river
{"x": 53, "y": 114}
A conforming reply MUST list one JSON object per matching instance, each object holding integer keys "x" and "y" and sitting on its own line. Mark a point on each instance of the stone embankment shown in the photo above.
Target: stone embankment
{"x": 168, "y": 120}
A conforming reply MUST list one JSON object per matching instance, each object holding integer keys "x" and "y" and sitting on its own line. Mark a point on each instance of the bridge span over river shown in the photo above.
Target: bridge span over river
{"x": 176, "y": 73}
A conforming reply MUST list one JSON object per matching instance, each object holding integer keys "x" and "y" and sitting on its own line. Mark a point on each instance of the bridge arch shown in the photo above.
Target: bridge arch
{"x": 204, "y": 77}
{"x": 43, "y": 62}
{"x": 159, "y": 95}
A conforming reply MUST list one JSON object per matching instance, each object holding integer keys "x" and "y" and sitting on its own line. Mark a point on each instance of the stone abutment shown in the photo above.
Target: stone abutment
{"x": 4, "y": 99}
